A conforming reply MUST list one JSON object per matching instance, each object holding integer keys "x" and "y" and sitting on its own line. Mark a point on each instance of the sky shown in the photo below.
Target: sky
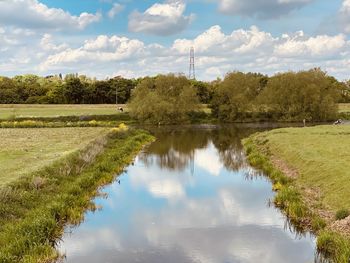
{"x": 133, "y": 38}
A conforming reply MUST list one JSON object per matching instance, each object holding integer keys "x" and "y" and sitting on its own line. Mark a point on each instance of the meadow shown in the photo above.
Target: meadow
{"x": 26, "y": 150}
{"x": 14, "y": 111}
{"x": 344, "y": 107}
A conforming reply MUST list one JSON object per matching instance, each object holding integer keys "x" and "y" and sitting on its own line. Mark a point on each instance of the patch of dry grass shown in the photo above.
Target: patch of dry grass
{"x": 23, "y": 151}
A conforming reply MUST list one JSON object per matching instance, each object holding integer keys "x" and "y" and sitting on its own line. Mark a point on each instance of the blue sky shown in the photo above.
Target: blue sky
{"x": 132, "y": 38}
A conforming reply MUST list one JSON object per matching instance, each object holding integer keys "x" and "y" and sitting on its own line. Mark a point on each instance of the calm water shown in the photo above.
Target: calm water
{"x": 189, "y": 197}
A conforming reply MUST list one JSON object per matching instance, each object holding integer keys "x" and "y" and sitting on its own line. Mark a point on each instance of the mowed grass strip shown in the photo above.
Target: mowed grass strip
{"x": 344, "y": 108}
{"x": 23, "y": 151}
{"x": 321, "y": 156}
{"x": 30, "y": 111}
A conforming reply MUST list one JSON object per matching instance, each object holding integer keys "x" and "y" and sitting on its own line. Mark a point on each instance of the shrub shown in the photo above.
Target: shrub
{"x": 341, "y": 214}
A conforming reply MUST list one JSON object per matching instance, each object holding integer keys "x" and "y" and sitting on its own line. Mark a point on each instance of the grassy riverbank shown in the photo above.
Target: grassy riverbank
{"x": 310, "y": 169}
{"x": 35, "y": 208}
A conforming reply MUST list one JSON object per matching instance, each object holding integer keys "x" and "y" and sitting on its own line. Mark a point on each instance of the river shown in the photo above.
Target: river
{"x": 188, "y": 197}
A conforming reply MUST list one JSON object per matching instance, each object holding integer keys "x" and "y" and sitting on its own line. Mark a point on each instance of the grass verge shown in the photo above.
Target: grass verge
{"x": 308, "y": 151}
{"x": 35, "y": 208}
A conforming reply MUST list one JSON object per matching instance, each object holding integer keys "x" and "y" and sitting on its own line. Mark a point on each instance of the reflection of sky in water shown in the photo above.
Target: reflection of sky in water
{"x": 202, "y": 212}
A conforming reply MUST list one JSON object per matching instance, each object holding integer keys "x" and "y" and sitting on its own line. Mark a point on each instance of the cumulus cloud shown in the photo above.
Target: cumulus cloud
{"x": 161, "y": 19}
{"x": 217, "y": 52}
{"x": 115, "y": 10}
{"x": 35, "y": 15}
{"x": 344, "y": 16}
{"x": 261, "y": 8}
{"x": 102, "y": 49}
{"x": 322, "y": 45}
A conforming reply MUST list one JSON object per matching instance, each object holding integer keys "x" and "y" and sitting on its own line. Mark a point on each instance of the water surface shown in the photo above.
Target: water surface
{"x": 188, "y": 197}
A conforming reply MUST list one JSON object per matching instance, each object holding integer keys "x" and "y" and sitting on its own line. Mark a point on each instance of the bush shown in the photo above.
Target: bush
{"x": 341, "y": 214}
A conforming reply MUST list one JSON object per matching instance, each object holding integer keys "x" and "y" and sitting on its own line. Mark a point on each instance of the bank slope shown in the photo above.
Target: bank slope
{"x": 34, "y": 209}
{"x": 310, "y": 169}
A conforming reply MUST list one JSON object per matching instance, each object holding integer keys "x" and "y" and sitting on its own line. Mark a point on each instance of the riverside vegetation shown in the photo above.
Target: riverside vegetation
{"x": 309, "y": 168}
{"x": 35, "y": 208}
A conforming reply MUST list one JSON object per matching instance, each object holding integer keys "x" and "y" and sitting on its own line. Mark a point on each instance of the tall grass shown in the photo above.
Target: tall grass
{"x": 35, "y": 209}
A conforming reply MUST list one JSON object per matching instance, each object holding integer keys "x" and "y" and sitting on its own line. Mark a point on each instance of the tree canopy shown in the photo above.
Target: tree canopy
{"x": 164, "y": 99}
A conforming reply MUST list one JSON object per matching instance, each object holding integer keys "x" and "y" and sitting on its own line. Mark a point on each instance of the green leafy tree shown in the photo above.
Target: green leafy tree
{"x": 236, "y": 95}
{"x": 165, "y": 99}
{"x": 310, "y": 95}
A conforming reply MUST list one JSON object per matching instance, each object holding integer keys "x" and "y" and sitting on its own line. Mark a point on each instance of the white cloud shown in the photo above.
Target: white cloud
{"x": 35, "y": 15}
{"x": 261, "y": 8}
{"x": 344, "y": 16}
{"x": 315, "y": 46}
{"x": 161, "y": 19}
{"x": 217, "y": 52}
{"x": 102, "y": 49}
{"x": 115, "y": 10}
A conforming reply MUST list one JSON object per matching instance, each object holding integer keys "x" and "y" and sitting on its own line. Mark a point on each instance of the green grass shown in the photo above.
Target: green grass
{"x": 35, "y": 208}
{"x": 320, "y": 157}
{"x": 26, "y": 150}
{"x": 45, "y": 111}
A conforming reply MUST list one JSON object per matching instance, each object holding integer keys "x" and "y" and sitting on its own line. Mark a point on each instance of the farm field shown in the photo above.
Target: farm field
{"x": 26, "y": 150}
{"x": 42, "y": 110}
{"x": 344, "y": 107}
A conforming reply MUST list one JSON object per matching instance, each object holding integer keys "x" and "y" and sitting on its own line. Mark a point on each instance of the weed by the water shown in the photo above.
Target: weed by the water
{"x": 341, "y": 214}
{"x": 334, "y": 246}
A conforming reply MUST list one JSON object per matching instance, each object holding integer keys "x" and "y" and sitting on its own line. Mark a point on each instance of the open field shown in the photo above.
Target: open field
{"x": 321, "y": 157}
{"x": 27, "y": 111}
{"x": 26, "y": 150}
{"x": 344, "y": 107}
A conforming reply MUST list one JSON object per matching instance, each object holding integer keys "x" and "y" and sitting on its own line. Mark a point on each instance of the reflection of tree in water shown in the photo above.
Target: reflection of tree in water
{"x": 227, "y": 141}
{"x": 174, "y": 149}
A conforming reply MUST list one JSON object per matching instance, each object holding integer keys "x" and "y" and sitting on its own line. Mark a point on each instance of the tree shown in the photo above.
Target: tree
{"x": 310, "y": 95}
{"x": 236, "y": 95}
{"x": 73, "y": 89}
{"x": 166, "y": 99}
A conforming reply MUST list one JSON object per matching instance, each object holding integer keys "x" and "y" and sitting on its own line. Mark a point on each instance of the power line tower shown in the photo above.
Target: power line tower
{"x": 192, "y": 72}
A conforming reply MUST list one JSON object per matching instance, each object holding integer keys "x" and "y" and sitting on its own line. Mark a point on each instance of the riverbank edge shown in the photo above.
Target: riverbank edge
{"x": 116, "y": 119}
{"x": 35, "y": 209}
{"x": 289, "y": 198}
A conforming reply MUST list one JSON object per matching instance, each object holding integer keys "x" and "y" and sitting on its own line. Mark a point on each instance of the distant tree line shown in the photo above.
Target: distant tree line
{"x": 73, "y": 89}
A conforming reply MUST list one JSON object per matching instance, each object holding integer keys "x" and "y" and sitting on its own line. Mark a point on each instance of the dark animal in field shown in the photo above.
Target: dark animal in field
{"x": 120, "y": 109}
{"x": 338, "y": 122}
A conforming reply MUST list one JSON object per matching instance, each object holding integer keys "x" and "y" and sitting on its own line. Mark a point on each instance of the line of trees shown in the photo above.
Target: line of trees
{"x": 292, "y": 96}
{"x": 312, "y": 95}
{"x": 73, "y": 89}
